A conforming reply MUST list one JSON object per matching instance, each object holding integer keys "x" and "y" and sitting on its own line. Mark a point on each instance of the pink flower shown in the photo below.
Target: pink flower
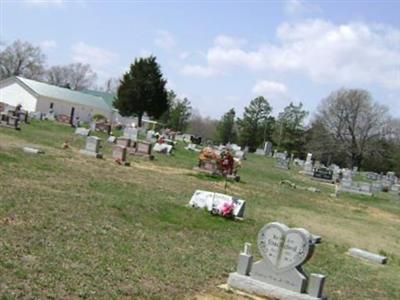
{"x": 227, "y": 209}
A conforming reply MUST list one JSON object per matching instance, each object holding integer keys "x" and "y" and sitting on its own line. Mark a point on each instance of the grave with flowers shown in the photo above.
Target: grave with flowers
{"x": 218, "y": 204}
{"x": 218, "y": 163}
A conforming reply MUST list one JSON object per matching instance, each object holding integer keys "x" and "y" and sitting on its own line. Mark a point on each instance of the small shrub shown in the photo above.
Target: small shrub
{"x": 99, "y": 117}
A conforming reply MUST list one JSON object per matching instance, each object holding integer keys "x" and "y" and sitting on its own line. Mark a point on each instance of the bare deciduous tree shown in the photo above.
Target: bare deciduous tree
{"x": 22, "y": 59}
{"x": 111, "y": 85}
{"x": 76, "y": 76}
{"x": 354, "y": 121}
{"x": 57, "y": 75}
{"x": 202, "y": 126}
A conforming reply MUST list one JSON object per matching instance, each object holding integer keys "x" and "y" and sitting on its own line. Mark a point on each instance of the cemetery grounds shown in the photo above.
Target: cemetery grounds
{"x": 73, "y": 226}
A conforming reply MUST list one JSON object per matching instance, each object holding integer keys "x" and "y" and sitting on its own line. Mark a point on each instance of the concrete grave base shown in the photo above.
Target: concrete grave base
{"x": 225, "y": 287}
{"x": 368, "y": 256}
{"x": 141, "y": 155}
{"x": 331, "y": 181}
{"x": 215, "y": 173}
{"x": 306, "y": 173}
{"x": 90, "y": 153}
{"x": 252, "y": 286}
{"x": 354, "y": 191}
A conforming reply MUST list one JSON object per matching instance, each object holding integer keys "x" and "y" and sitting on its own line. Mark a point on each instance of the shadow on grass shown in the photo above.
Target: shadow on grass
{"x": 207, "y": 177}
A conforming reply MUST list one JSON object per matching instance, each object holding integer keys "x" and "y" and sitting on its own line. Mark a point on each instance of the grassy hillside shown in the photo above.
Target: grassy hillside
{"x": 74, "y": 227}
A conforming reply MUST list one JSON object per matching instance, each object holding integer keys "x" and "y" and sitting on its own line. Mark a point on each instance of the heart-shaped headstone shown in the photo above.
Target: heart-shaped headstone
{"x": 284, "y": 248}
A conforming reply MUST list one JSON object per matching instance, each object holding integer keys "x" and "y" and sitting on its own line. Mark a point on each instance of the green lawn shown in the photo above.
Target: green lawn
{"x": 75, "y": 227}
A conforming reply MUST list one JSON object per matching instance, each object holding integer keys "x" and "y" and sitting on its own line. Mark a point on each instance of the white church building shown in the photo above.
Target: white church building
{"x": 35, "y": 96}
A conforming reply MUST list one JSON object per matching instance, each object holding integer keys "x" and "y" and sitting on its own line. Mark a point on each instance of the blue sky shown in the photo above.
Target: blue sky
{"x": 221, "y": 54}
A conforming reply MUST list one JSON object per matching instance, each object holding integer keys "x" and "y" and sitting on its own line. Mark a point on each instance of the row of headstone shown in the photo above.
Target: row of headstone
{"x": 121, "y": 149}
{"x": 282, "y": 155}
{"x": 363, "y": 188}
{"x": 10, "y": 121}
{"x": 380, "y": 182}
{"x": 282, "y": 163}
{"x": 138, "y": 147}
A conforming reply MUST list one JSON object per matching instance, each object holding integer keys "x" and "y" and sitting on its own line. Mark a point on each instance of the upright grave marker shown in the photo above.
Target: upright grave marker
{"x": 131, "y": 133}
{"x": 282, "y": 163}
{"x": 119, "y": 155}
{"x": 92, "y": 147}
{"x": 268, "y": 148}
{"x": 279, "y": 274}
{"x": 143, "y": 149}
{"x": 323, "y": 173}
{"x": 308, "y": 165}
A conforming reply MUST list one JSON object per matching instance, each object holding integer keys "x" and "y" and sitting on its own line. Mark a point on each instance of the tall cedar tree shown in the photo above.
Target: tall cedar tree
{"x": 142, "y": 90}
{"x": 226, "y": 132}
{"x": 254, "y": 123}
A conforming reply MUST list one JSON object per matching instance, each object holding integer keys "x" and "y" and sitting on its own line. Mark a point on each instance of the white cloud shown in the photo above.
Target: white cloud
{"x": 294, "y": 7}
{"x": 267, "y": 88}
{"x": 45, "y": 2}
{"x": 184, "y": 55}
{"x": 300, "y": 7}
{"x": 227, "y": 42}
{"x": 102, "y": 61}
{"x": 276, "y": 93}
{"x": 145, "y": 53}
{"x": 96, "y": 57}
{"x": 354, "y": 53}
{"x": 200, "y": 71}
{"x": 48, "y": 44}
{"x": 164, "y": 40}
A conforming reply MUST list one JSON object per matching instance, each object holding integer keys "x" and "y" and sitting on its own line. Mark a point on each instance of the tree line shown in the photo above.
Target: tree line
{"x": 348, "y": 128}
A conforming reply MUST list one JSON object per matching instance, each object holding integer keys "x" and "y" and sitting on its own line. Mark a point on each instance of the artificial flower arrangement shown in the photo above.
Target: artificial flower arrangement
{"x": 225, "y": 210}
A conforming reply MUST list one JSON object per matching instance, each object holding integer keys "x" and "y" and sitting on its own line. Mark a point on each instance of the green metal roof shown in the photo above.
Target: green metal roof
{"x": 56, "y": 92}
{"x": 107, "y": 97}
